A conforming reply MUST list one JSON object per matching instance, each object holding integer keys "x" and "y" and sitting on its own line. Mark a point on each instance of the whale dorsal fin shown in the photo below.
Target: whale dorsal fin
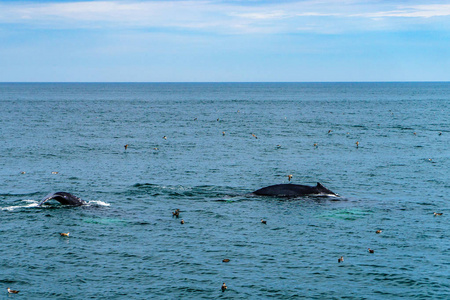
{"x": 324, "y": 190}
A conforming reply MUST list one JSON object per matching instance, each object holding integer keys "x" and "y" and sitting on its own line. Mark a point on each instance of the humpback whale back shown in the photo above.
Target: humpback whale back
{"x": 63, "y": 198}
{"x": 293, "y": 190}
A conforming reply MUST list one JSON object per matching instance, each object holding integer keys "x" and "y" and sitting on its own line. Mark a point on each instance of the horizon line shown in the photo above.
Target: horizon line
{"x": 193, "y": 82}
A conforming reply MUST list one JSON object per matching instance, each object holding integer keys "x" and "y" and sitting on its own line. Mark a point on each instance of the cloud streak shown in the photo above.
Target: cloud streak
{"x": 214, "y": 16}
{"x": 417, "y": 11}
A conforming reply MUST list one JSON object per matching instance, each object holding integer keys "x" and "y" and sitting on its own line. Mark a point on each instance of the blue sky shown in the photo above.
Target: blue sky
{"x": 202, "y": 41}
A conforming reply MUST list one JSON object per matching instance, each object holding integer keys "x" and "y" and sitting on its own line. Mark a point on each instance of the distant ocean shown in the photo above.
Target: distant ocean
{"x": 223, "y": 141}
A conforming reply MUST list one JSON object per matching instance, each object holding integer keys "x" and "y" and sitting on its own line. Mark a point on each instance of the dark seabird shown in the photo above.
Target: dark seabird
{"x": 224, "y": 287}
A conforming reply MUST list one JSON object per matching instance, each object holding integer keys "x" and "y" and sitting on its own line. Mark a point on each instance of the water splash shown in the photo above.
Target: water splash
{"x": 31, "y": 203}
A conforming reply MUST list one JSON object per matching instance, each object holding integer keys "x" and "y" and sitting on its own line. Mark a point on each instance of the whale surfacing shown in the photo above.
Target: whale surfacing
{"x": 63, "y": 198}
{"x": 294, "y": 190}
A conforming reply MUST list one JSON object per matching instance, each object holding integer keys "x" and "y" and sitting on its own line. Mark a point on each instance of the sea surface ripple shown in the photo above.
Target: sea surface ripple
{"x": 223, "y": 141}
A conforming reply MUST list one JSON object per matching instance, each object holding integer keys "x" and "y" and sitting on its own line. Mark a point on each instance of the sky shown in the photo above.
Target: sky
{"x": 224, "y": 41}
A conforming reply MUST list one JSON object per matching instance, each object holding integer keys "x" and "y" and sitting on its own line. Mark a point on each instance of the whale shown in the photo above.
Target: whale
{"x": 294, "y": 190}
{"x": 63, "y": 198}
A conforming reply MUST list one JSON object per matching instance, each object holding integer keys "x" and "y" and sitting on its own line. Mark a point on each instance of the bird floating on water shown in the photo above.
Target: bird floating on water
{"x": 370, "y": 250}
{"x": 126, "y": 147}
{"x": 289, "y": 177}
{"x": 437, "y": 214}
{"x": 165, "y": 137}
{"x": 12, "y": 291}
{"x": 64, "y": 234}
{"x": 176, "y": 213}
{"x": 379, "y": 231}
{"x": 223, "y": 133}
{"x": 226, "y": 260}
{"x": 357, "y": 144}
{"x": 263, "y": 221}
{"x": 224, "y": 287}
{"x": 182, "y": 222}
{"x": 340, "y": 259}
{"x": 54, "y": 172}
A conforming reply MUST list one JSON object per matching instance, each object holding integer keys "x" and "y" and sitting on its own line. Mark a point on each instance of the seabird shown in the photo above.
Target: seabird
{"x": 315, "y": 145}
{"x": 370, "y": 250}
{"x": 223, "y": 133}
{"x": 126, "y": 146}
{"x": 263, "y": 221}
{"x": 289, "y": 177}
{"x": 224, "y": 287}
{"x": 64, "y": 234}
{"x": 357, "y": 144}
{"x": 226, "y": 260}
{"x": 165, "y": 137}
{"x": 182, "y": 222}
{"x": 437, "y": 214}
{"x": 176, "y": 213}
{"x": 379, "y": 231}
{"x": 16, "y": 292}
{"x": 341, "y": 259}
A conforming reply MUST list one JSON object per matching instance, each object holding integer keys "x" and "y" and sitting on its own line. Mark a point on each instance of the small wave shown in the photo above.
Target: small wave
{"x": 208, "y": 191}
{"x": 19, "y": 194}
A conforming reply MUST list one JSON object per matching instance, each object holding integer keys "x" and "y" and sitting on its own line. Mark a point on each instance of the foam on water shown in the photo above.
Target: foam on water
{"x": 97, "y": 203}
{"x": 31, "y": 203}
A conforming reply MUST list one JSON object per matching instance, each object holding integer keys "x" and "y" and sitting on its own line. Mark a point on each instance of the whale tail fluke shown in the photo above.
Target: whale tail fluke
{"x": 63, "y": 198}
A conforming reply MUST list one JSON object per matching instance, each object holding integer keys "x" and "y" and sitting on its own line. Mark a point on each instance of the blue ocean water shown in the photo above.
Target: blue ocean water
{"x": 223, "y": 141}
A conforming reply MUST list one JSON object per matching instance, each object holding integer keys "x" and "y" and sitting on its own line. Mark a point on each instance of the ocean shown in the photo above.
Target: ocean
{"x": 203, "y": 148}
